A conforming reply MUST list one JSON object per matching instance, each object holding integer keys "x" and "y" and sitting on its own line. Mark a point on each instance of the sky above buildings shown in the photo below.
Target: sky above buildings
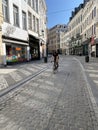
{"x": 59, "y": 11}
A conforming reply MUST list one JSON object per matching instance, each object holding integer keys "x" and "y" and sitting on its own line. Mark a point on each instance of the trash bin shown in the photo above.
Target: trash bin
{"x": 45, "y": 59}
{"x": 87, "y": 58}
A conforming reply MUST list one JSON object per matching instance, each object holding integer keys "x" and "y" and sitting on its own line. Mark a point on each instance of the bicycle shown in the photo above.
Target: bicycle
{"x": 55, "y": 63}
{"x": 55, "y": 67}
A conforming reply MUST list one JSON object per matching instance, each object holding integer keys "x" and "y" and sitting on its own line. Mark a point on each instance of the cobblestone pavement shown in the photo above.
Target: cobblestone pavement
{"x": 14, "y": 74}
{"x": 51, "y": 102}
{"x": 91, "y": 71}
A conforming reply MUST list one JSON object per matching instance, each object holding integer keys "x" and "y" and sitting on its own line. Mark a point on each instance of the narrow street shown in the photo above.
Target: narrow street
{"x": 34, "y": 36}
{"x": 50, "y": 101}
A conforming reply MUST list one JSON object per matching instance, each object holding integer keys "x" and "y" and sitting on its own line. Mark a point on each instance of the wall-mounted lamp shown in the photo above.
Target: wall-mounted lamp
{"x": 42, "y": 31}
{"x": 86, "y": 36}
{"x": 41, "y": 44}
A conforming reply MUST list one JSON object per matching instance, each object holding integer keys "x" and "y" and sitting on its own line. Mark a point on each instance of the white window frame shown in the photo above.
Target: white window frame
{"x": 24, "y": 21}
{"x": 29, "y": 21}
{"x": 5, "y": 10}
{"x": 16, "y": 15}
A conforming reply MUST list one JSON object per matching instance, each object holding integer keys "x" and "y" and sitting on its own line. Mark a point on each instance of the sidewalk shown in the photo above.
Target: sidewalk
{"x": 91, "y": 72}
{"x": 7, "y": 70}
{"x": 91, "y": 59}
{"x": 13, "y": 74}
{"x": 11, "y": 68}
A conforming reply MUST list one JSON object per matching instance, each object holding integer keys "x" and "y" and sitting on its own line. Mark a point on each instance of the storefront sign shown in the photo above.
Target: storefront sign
{"x": 18, "y": 48}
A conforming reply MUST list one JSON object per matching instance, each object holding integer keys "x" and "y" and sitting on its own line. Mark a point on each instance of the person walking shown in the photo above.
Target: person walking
{"x": 55, "y": 60}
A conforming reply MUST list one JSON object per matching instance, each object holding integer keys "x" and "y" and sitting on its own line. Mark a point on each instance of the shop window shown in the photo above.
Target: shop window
{"x": 14, "y": 51}
{"x": 24, "y": 23}
{"x": 16, "y": 15}
{"x": 8, "y": 50}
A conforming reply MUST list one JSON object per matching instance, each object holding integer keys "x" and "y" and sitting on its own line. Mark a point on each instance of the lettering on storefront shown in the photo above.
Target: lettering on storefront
{"x": 18, "y": 49}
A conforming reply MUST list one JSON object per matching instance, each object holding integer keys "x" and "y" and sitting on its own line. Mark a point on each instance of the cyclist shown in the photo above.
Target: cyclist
{"x": 55, "y": 60}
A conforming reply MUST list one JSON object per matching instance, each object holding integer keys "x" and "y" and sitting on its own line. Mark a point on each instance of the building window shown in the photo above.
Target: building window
{"x": 29, "y": 21}
{"x": 37, "y": 6}
{"x": 29, "y": 2}
{"x": 92, "y": 14}
{"x": 94, "y": 29}
{"x": 81, "y": 18}
{"x": 24, "y": 20}
{"x": 33, "y": 4}
{"x": 94, "y": 11}
{"x": 34, "y": 29}
{"x": 5, "y": 10}
{"x": 37, "y": 25}
{"x": 16, "y": 15}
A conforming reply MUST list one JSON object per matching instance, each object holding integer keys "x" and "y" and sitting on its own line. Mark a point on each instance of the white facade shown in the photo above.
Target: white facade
{"x": 65, "y": 43}
{"x": 8, "y": 28}
{"x": 43, "y": 27}
{"x": 22, "y": 25}
{"x": 85, "y": 24}
{"x": 75, "y": 25}
{"x": 90, "y": 15}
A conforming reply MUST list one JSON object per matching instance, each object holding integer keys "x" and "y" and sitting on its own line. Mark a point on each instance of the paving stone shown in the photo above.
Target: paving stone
{"x": 56, "y": 102}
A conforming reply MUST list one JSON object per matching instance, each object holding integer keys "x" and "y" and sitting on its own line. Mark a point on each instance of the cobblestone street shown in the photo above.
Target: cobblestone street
{"x": 51, "y": 102}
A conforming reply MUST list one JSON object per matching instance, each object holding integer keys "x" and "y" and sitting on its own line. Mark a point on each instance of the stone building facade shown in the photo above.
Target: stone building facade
{"x": 21, "y": 30}
{"x": 83, "y": 29}
{"x": 55, "y": 38}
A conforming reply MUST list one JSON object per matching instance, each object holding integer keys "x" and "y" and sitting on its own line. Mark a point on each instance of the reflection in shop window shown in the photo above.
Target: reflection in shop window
{"x": 15, "y": 53}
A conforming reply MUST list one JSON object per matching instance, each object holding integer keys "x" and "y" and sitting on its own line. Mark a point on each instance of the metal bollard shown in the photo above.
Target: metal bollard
{"x": 87, "y": 58}
{"x": 45, "y": 59}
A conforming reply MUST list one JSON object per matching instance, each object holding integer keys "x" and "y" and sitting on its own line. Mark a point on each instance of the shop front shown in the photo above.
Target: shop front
{"x": 15, "y": 51}
{"x": 96, "y": 41}
{"x": 86, "y": 45}
{"x": 34, "y": 48}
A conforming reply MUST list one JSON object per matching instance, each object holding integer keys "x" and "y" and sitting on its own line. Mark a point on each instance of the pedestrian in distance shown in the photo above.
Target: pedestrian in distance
{"x": 55, "y": 58}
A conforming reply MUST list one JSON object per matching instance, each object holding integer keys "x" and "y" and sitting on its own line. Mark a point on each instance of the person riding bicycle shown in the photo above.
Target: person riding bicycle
{"x": 55, "y": 59}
